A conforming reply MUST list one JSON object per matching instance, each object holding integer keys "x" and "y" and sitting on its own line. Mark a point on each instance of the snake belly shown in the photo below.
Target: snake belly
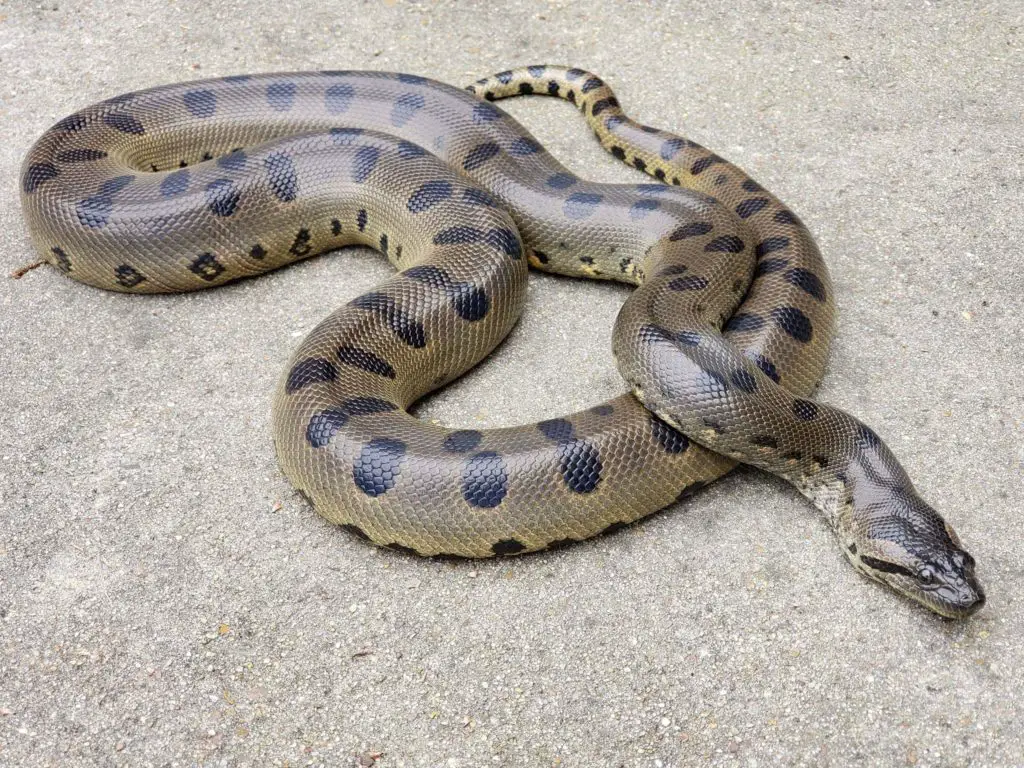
{"x": 193, "y": 185}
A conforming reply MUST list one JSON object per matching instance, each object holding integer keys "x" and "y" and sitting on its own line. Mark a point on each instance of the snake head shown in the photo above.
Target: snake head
{"x": 908, "y": 546}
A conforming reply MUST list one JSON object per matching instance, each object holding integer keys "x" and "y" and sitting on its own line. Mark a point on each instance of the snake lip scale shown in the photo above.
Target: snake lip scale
{"x": 193, "y": 185}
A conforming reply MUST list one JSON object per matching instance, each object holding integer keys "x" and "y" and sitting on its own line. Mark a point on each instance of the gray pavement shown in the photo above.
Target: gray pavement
{"x": 166, "y": 599}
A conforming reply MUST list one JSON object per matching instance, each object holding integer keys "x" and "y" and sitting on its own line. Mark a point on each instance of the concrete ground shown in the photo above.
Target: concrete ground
{"x": 168, "y": 600}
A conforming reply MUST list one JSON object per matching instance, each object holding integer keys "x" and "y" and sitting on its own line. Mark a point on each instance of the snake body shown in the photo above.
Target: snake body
{"x": 193, "y": 185}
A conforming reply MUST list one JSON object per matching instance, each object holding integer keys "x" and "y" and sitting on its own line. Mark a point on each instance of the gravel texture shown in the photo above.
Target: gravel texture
{"x": 166, "y": 599}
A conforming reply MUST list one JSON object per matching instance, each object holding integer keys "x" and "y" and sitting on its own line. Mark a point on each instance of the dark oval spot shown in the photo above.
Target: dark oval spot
{"x": 80, "y": 155}
{"x": 378, "y": 465}
{"x": 556, "y": 429}
{"x": 725, "y": 244}
{"x": 338, "y": 98}
{"x": 324, "y": 425}
{"x": 744, "y": 322}
{"x": 479, "y": 155}
{"x": 561, "y": 180}
{"x": 364, "y": 162}
{"x": 668, "y": 437}
{"x": 768, "y": 266}
{"x": 366, "y": 405}
{"x": 764, "y": 441}
{"x": 688, "y": 283}
{"x": 507, "y": 546}
{"x": 693, "y": 229}
{"x": 524, "y": 145}
{"x": 506, "y": 241}
{"x": 641, "y": 208}
{"x": 280, "y": 96}
{"x": 806, "y": 281}
{"x": 222, "y": 197}
{"x": 38, "y": 174}
{"x": 428, "y": 195}
{"x": 793, "y": 322}
{"x": 770, "y": 244}
{"x": 485, "y": 112}
{"x": 749, "y": 207}
{"x": 365, "y": 360}
{"x": 485, "y": 480}
{"x": 201, "y": 103}
{"x": 94, "y": 211}
{"x": 580, "y": 463}
{"x": 712, "y": 383}
{"x": 767, "y": 366}
{"x": 406, "y": 107}
{"x": 124, "y": 123}
{"x": 579, "y": 205}
{"x": 284, "y": 182}
{"x": 744, "y": 380}
{"x": 671, "y": 147}
{"x": 462, "y": 441}
{"x": 470, "y": 302}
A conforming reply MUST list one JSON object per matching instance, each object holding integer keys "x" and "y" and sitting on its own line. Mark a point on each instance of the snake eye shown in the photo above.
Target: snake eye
{"x": 926, "y": 575}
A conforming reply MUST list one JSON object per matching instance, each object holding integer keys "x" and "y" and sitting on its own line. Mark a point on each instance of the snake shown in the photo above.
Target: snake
{"x": 722, "y": 342}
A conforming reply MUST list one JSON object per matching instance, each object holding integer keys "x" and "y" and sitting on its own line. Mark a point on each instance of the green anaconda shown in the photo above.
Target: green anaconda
{"x": 193, "y": 185}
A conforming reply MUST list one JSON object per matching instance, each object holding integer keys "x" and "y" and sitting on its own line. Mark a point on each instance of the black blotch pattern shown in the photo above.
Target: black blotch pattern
{"x": 63, "y": 262}
{"x": 768, "y": 266}
{"x": 866, "y": 437}
{"x": 794, "y": 322}
{"x": 174, "y": 183}
{"x": 651, "y": 334}
{"x": 671, "y": 147}
{"x": 411, "y": 79}
{"x": 749, "y": 185}
{"x": 764, "y": 441}
{"x": 525, "y": 88}
{"x": 580, "y": 205}
{"x": 480, "y": 154}
{"x": 462, "y": 441}
{"x": 469, "y": 301}
{"x": 605, "y": 409}
{"x": 508, "y": 546}
{"x": 786, "y": 217}
{"x": 820, "y": 460}
{"x": 485, "y": 113}
{"x": 767, "y": 366}
{"x": 639, "y": 164}
{"x": 805, "y": 410}
{"x": 38, "y": 174}
{"x": 301, "y": 245}
{"x": 233, "y": 161}
{"x": 704, "y": 163}
{"x": 504, "y": 77}
{"x": 580, "y": 463}
{"x": 561, "y": 180}
{"x": 484, "y": 480}
{"x": 591, "y": 84}
{"x": 557, "y": 429}
{"x": 744, "y": 322}
{"x": 744, "y": 380}
{"x": 793, "y": 456}
{"x": 770, "y": 244}
{"x": 280, "y": 96}
{"x": 309, "y": 371}
{"x": 116, "y": 184}
{"x": 673, "y": 269}
{"x": 406, "y": 107}
{"x": 522, "y": 146}
{"x": 93, "y": 212}
{"x": 378, "y": 465}
{"x": 552, "y": 88}
{"x": 725, "y": 244}
{"x": 71, "y": 123}
{"x": 257, "y": 252}
{"x": 409, "y": 330}
{"x": 206, "y": 266}
{"x": 407, "y": 149}
{"x": 668, "y": 437}
{"x": 475, "y": 196}
{"x": 284, "y": 182}
{"x": 641, "y": 208}
{"x": 384, "y": 243}
{"x": 688, "y": 283}
{"x": 541, "y": 256}
{"x": 81, "y": 155}
{"x": 364, "y": 162}
{"x": 536, "y": 70}
{"x": 324, "y": 425}
{"x": 806, "y": 281}
{"x": 128, "y": 276}
{"x": 619, "y": 153}
{"x": 361, "y": 219}
{"x": 602, "y": 104}
{"x": 366, "y": 405}
{"x": 201, "y": 103}
{"x": 574, "y": 74}
{"x": 222, "y": 197}
{"x": 570, "y": 96}
{"x": 335, "y": 227}
{"x": 428, "y": 195}
{"x": 338, "y": 98}
{"x": 124, "y": 123}
{"x": 712, "y": 383}
{"x": 365, "y": 360}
